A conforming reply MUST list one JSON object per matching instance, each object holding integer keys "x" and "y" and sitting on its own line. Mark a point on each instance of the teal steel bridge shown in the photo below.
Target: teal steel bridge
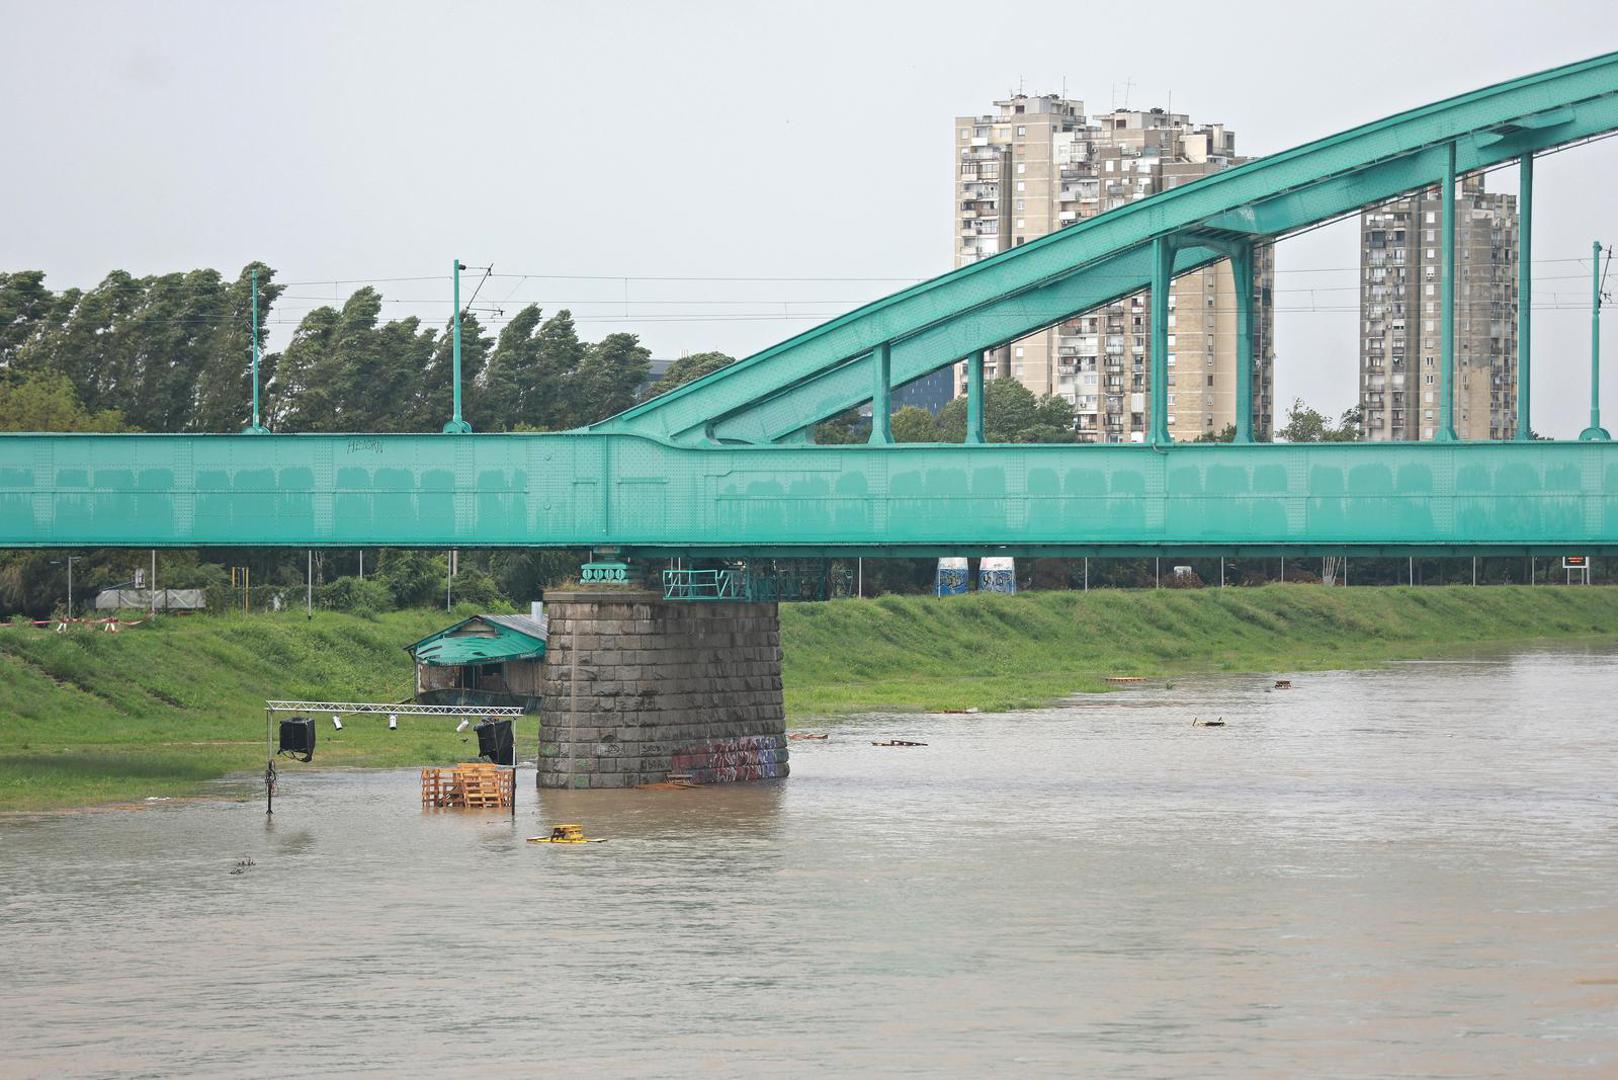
{"x": 726, "y": 467}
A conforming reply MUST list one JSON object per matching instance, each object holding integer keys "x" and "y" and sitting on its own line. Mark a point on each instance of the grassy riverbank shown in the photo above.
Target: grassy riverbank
{"x": 90, "y": 717}
{"x": 160, "y": 709}
{"x": 998, "y": 652}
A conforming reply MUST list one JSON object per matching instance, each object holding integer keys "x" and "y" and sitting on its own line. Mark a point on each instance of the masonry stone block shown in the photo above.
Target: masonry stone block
{"x": 636, "y": 687}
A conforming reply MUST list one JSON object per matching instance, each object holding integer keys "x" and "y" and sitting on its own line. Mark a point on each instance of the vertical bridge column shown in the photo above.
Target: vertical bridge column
{"x": 1445, "y": 431}
{"x": 974, "y": 398}
{"x": 1525, "y": 289}
{"x": 636, "y": 687}
{"x": 882, "y": 394}
{"x": 1162, "y": 274}
{"x": 1241, "y": 271}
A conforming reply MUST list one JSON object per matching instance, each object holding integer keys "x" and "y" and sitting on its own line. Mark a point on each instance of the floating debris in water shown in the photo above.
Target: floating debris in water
{"x": 566, "y": 834}
{"x": 810, "y": 736}
{"x": 242, "y": 865}
{"x": 898, "y": 742}
{"x": 1208, "y": 723}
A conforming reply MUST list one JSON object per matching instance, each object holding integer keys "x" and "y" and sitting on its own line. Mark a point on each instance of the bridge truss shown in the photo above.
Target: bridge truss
{"x": 725, "y": 466}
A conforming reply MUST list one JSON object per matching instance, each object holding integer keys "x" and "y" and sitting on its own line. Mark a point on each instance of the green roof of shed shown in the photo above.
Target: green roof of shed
{"x": 504, "y": 637}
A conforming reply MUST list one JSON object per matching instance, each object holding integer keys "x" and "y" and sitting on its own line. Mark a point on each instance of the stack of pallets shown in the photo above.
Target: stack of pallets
{"x": 474, "y": 785}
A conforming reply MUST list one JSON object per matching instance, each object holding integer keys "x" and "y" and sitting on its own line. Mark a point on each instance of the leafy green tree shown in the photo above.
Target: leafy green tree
{"x": 27, "y": 309}
{"x": 414, "y": 578}
{"x": 688, "y": 369}
{"x": 609, "y": 376}
{"x": 46, "y": 401}
{"x": 1223, "y": 435}
{"x": 530, "y": 381}
{"x": 1308, "y": 425}
{"x": 846, "y": 428}
{"x": 914, "y": 425}
{"x": 1011, "y": 413}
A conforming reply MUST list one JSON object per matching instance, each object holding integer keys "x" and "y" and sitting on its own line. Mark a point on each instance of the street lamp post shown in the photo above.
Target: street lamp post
{"x": 70, "y": 560}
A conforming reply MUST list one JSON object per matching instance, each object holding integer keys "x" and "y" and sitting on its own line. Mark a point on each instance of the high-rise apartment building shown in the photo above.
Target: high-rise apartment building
{"x": 1401, "y": 306}
{"x": 1039, "y": 164}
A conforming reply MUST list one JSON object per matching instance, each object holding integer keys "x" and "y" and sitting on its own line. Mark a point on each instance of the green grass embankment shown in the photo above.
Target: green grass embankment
{"x": 994, "y": 652}
{"x": 89, "y": 717}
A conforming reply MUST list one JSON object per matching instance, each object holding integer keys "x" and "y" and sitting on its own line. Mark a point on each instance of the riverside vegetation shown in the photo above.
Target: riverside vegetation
{"x": 159, "y": 710}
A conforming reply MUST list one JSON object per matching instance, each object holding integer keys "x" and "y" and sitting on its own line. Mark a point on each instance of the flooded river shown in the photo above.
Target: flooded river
{"x": 1410, "y": 871}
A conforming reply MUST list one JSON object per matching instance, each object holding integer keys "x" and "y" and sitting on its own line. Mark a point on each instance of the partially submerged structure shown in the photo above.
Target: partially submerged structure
{"x": 483, "y": 660}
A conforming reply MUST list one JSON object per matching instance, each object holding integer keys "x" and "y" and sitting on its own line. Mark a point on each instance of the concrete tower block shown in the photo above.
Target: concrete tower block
{"x": 637, "y": 687}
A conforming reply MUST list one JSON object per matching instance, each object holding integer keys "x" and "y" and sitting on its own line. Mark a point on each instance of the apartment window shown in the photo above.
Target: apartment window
{"x": 1021, "y": 240}
{"x": 1210, "y": 383}
{"x": 966, "y": 133}
{"x": 1021, "y": 186}
{"x": 1021, "y": 130}
{"x": 1431, "y": 217}
{"x": 1021, "y": 223}
{"x": 1019, "y": 204}
{"x": 1022, "y": 167}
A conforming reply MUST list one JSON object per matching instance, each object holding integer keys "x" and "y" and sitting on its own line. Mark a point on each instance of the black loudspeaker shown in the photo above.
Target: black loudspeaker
{"x": 496, "y": 743}
{"x": 298, "y": 737}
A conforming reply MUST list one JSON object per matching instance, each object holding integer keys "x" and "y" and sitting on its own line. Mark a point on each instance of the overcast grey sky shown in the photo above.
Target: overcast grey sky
{"x": 750, "y": 141}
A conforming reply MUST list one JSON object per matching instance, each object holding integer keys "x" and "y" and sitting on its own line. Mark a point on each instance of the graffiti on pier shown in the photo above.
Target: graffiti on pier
{"x": 723, "y": 761}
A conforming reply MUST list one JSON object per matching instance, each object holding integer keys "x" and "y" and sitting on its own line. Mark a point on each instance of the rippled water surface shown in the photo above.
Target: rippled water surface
{"x": 1411, "y": 871}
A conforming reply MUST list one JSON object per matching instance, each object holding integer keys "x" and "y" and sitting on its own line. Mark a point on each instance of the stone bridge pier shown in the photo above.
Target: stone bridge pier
{"x": 637, "y": 688}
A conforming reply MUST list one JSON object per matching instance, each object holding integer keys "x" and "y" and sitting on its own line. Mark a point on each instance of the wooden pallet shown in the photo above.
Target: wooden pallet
{"x": 473, "y": 786}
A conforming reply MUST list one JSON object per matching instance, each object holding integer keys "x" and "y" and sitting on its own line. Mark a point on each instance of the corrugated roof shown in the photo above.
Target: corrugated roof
{"x": 535, "y": 628}
{"x": 516, "y": 637}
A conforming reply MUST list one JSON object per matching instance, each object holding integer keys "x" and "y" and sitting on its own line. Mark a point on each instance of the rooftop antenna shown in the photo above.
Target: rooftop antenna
{"x": 1129, "y": 84}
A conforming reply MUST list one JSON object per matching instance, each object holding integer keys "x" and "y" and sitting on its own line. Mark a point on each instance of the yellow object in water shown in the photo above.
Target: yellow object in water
{"x": 565, "y": 834}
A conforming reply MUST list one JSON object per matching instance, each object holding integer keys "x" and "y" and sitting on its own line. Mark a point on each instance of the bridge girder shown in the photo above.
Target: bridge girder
{"x": 571, "y": 490}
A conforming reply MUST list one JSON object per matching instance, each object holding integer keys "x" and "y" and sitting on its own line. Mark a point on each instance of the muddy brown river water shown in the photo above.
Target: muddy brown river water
{"x": 1409, "y": 871}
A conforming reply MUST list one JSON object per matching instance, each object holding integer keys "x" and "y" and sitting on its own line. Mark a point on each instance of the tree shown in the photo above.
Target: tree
{"x": 1307, "y": 425}
{"x": 914, "y": 425}
{"x": 1011, "y": 413}
{"x": 688, "y": 369}
{"x": 530, "y": 381}
{"x": 609, "y": 376}
{"x": 1223, "y": 435}
{"x": 843, "y": 429}
{"x": 45, "y": 401}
